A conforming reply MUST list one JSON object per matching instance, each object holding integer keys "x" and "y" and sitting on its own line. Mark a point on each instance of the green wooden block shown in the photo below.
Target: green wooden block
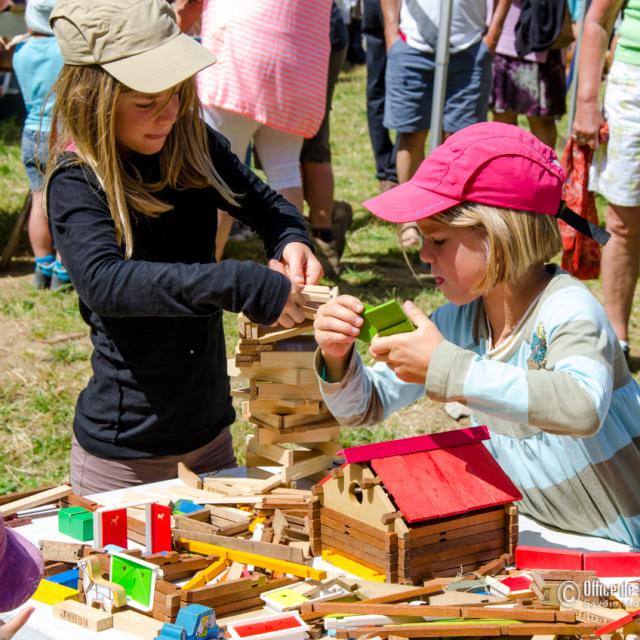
{"x": 138, "y": 579}
{"x": 385, "y": 319}
{"x": 76, "y": 522}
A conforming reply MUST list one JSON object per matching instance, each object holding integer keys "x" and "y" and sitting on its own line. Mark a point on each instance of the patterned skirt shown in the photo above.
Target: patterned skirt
{"x": 529, "y": 88}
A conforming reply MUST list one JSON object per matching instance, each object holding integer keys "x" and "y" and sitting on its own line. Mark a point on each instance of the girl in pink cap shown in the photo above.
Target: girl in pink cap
{"x": 523, "y": 344}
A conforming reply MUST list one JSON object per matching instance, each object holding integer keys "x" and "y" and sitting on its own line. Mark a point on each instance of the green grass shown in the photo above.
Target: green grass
{"x": 12, "y": 176}
{"x": 44, "y": 345}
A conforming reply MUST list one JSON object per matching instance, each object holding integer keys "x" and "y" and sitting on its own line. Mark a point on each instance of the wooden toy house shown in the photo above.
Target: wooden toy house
{"x": 419, "y": 507}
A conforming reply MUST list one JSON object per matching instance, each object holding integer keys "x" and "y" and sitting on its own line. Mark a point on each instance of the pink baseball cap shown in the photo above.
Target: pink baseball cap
{"x": 489, "y": 163}
{"x": 21, "y": 568}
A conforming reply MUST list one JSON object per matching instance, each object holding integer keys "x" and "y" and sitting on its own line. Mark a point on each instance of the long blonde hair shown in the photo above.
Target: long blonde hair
{"x": 84, "y": 116}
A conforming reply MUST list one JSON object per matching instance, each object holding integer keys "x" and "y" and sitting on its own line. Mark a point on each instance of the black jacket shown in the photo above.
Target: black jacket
{"x": 159, "y": 383}
{"x": 539, "y": 25}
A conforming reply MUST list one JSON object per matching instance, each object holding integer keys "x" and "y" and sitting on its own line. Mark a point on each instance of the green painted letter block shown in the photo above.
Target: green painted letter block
{"x": 386, "y": 319}
{"x": 76, "y": 522}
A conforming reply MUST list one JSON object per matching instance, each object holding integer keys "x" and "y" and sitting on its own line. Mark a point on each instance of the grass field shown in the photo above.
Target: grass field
{"x": 44, "y": 345}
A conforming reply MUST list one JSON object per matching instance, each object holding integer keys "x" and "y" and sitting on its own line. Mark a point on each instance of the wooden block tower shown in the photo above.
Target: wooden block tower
{"x": 283, "y": 399}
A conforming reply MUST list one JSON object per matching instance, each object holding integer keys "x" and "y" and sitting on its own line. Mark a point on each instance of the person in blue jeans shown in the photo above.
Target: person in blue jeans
{"x": 384, "y": 148}
{"x": 37, "y": 63}
{"x": 411, "y": 33}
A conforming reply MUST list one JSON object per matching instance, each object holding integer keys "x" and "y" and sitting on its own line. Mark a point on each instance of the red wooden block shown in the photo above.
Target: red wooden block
{"x": 367, "y": 452}
{"x": 114, "y": 528}
{"x": 617, "y": 624}
{"x": 612, "y": 564}
{"x": 268, "y": 626}
{"x": 543, "y": 558}
{"x": 160, "y": 528}
{"x": 445, "y": 482}
{"x": 517, "y": 583}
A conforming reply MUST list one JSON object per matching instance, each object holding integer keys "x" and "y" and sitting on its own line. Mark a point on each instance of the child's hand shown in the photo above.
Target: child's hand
{"x": 293, "y": 311}
{"x": 9, "y": 629}
{"x": 409, "y": 354}
{"x": 301, "y": 264}
{"x": 337, "y": 326}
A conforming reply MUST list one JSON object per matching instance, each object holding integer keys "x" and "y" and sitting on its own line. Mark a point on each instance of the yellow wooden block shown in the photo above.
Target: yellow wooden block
{"x": 299, "y": 570}
{"x": 256, "y": 521}
{"x": 51, "y": 592}
{"x": 352, "y": 566}
{"x": 201, "y": 578}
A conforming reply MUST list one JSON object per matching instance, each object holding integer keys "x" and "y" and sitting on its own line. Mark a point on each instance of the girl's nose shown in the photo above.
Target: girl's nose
{"x": 425, "y": 254}
{"x": 169, "y": 112}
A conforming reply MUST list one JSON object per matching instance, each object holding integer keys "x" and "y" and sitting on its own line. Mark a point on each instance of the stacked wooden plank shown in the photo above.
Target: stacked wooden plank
{"x": 288, "y": 521}
{"x": 283, "y": 398}
{"x": 443, "y": 547}
{"x": 231, "y": 597}
{"x": 447, "y": 621}
{"x": 457, "y": 544}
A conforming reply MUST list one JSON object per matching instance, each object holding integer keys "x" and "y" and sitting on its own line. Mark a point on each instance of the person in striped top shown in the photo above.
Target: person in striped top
{"x": 270, "y": 81}
{"x": 523, "y": 344}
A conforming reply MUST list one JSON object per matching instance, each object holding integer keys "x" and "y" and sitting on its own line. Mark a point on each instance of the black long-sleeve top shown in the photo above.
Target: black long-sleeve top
{"x": 159, "y": 383}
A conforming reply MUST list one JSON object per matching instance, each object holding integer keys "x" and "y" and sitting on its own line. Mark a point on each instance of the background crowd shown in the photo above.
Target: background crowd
{"x": 270, "y": 94}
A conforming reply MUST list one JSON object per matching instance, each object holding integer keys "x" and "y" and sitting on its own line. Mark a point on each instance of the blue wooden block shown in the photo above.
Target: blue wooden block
{"x": 185, "y": 506}
{"x": 66, "y": 578}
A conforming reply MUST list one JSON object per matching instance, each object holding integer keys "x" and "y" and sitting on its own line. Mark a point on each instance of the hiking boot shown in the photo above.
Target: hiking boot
{"x": 341, "y": 219}
{"x": 385, "y": 185}
{"x": 60, "y": 277}
{"x": 327, "y": 251}
{"x": 43, "y": 272}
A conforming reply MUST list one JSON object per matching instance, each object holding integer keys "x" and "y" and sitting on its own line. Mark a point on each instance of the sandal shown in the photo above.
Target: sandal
{"x": 410, "y": 236}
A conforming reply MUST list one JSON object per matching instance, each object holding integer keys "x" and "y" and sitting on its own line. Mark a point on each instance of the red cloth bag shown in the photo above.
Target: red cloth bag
{"x": 580, "y": 255}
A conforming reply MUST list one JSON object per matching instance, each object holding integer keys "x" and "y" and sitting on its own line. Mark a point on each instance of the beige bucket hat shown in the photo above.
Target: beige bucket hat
{"x": 137, "y": 41}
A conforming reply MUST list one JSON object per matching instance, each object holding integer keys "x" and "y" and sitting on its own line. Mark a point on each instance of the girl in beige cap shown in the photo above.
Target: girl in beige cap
{"x": 132, "y": 193}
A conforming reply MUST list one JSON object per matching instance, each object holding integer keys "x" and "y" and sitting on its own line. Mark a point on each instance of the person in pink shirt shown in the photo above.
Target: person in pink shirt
{"x": 270, "y": 82}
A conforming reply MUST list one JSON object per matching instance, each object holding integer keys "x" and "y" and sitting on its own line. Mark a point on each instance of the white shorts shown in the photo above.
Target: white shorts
{"x": 279, "y": 151}
{"x": 616, "y": 166}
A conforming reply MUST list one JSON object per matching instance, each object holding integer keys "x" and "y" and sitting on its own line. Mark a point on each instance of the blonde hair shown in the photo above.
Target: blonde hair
{"x": 514, "y": 240}
{"x": 84, "y": 115}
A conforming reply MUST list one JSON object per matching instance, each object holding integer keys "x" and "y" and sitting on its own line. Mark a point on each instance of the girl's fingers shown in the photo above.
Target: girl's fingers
{"x": 329, "y": 337}
{"x": 380, "y": 347}
{"x": 343, "y": 313}
{"x": 285, "y": 320}
{"x": 332, "y": 324}
{"x": 352, "y": 303}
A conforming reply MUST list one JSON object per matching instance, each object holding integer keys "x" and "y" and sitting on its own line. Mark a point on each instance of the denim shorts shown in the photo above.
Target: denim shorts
{"x": 35, "y": 149}
{"x": 409, "y": 93}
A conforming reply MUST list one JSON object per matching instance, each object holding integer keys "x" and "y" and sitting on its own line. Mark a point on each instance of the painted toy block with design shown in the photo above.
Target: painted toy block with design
{"x": 194, "y": 621}
{"x": 416, "y": 508}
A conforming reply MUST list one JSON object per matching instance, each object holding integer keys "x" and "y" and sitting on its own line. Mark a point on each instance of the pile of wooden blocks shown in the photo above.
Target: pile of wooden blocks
{"x": 283, "y": 398}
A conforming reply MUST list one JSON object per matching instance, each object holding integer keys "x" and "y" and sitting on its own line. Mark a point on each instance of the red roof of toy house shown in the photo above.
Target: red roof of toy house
{"x": 441, "y": 475}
